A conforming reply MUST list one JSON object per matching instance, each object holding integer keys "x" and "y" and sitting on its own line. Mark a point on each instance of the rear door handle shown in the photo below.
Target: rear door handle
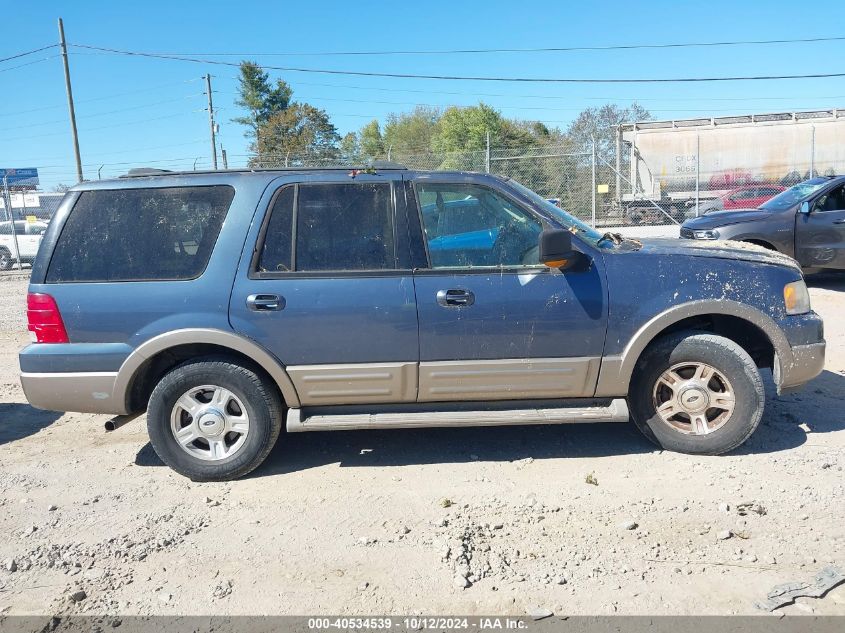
{"x": 455, "y": 298}
{"x": 265, "y": 303}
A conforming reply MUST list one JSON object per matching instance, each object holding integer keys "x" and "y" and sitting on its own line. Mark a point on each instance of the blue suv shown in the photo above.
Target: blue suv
{"x": 228, "y": 305}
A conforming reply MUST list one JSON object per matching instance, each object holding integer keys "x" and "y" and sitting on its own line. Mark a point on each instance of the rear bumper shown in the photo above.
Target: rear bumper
{"x": 87, "y": 392}
{"x": 807, "y": 363}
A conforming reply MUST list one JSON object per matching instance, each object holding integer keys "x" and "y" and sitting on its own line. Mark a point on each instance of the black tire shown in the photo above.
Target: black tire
{"x": 6, "y": 261}
{"x": 260, "y": 398}
{"x": 726, "y": 357}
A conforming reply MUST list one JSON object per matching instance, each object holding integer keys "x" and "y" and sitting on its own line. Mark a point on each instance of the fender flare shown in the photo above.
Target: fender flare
{"x": 269, "y": 363}
{"x": 616, "y": 371}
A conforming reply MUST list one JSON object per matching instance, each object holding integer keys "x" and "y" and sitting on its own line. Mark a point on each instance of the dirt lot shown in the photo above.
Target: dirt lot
{"x": 355, "y": 522}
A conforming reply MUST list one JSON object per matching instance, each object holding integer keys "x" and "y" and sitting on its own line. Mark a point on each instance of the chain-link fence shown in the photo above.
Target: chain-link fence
{"x": 554, "y": 171}
{"x": 682, "y": 168}
{"x": 24, "y": 216}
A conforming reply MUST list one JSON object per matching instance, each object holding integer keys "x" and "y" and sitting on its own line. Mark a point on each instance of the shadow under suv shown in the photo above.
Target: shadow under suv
{"x": 228, "y": 305}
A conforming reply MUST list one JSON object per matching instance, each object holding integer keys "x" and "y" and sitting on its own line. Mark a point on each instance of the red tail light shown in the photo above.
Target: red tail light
{"x": 44, "y": 319}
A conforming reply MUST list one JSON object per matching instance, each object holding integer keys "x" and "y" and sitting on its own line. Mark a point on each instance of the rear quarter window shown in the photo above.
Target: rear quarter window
{"x": 151, "y": 234}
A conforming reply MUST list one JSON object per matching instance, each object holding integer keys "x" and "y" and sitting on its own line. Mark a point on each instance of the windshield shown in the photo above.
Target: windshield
{"x": 794, "y": 194}
{"x": 583, "y": 229}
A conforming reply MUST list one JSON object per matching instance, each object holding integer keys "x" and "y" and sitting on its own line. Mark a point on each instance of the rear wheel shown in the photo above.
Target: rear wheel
{"x": 214, "y": 420}
{"x": 696, "y": 392}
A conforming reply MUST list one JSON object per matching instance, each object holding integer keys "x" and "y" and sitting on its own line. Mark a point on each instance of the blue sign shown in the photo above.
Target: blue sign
{"x": 24, "y": 176}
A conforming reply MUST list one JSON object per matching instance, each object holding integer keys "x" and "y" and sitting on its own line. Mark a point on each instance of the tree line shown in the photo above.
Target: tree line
{"x": 283, "y": 130}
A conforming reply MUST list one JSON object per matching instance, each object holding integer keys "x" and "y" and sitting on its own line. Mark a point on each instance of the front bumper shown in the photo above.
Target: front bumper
{"x": 807, "y": 363}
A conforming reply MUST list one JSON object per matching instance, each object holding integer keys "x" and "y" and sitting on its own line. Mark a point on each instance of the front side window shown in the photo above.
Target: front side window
{"x": 469, "y": 226}
{"x": 833, "y": 200}
{"x": 146, "y": 234}
{"x": 339, "y": 227}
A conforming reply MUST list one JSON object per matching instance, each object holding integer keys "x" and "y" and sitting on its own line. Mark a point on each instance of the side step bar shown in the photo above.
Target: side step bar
{"x": 616, "y": 411}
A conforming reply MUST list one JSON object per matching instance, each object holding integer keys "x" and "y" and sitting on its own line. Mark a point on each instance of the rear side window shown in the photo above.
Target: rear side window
{"x": 338, "y": 227}
{"x": 140, "y": 234}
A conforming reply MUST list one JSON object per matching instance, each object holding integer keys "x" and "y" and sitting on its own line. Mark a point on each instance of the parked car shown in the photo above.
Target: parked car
{"x": 228, "y": 305}
{"x": 28, "y": 235}
{"x": 807, "y": 222}
{"x": 748, "y": 196}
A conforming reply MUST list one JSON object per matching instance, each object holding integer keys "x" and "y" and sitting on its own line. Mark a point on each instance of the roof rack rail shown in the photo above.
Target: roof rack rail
{"x": 385, "y": 164}
{"x": 145, "y": 171}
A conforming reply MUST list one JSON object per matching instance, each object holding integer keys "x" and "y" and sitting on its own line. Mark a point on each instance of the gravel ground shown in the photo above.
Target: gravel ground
{"x": 470, "y": 521}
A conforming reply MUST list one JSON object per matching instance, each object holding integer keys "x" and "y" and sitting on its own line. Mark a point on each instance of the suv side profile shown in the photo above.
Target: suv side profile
{"x": 230, "y": 304}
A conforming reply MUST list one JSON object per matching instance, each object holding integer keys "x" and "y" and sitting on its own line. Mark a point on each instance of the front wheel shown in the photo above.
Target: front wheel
{"x": 214, "y": 420}
{"x": 696, "y": 392}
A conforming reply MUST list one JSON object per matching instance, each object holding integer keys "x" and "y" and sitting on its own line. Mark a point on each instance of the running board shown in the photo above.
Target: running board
{"x": 616, "y": 411}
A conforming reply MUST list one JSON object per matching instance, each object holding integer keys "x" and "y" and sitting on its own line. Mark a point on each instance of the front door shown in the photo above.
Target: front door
{"x": 326, "y": 292}
{"x": 493, "y": 322}
{"x": 820, "y": 234}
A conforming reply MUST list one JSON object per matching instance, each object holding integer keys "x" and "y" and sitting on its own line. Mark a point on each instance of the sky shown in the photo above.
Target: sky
{"x": 135, "y": 111}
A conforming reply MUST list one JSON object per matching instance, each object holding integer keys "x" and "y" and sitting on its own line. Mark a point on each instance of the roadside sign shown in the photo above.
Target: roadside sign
{"x": 20, "y": 176}
{"x": 603, "y": 189}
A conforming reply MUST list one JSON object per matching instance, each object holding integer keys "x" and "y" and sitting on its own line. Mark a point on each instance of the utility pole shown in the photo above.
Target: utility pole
{"x": 71, "y": 111}
{"x": 223, "y": 155}
{"x": 593, "y": 213}
{"x": 211, "y": 122}
{"x": 7, "y": 203}
{"x": 487, "y": 154}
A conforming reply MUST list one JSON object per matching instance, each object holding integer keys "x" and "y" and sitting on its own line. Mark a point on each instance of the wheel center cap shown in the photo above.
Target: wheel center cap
{"x": 211, "y": 422}
{"x": 694, "y": 399}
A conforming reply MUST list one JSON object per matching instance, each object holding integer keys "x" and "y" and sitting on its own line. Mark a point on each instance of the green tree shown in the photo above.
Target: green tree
{"x": 371, "y": 141}
{"x": 409, "y": 133}
{"x": 350, "y": 148}
{"x": 299, "y": 133}
{"x": 259, "y": 97}
{"x": 466, "y": 129}
{"x": 602, "y": 123}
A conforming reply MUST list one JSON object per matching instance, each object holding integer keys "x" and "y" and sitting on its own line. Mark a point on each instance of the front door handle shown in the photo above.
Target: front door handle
{"x": 265, "y": 303}
{"x": 455, "y": 298}
{"x": 839, "y": 221}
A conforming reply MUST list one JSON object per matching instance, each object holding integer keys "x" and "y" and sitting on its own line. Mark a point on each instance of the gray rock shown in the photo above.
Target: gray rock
{"x": 724, "y": 507}
{"x": 628, "y": 525}
{"x": 724, "y": 535}
{"x": 460, "y": 582}
{"x": 540, "y": 613}
{"x": 52, "y": 508}
{"x": 78, "y": 596}
{"x": 10, "y": 565}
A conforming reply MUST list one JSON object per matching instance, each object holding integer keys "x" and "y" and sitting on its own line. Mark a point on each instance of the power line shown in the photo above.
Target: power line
{"x": 474, "y": 93}
{"x": 37, "y": 61}
{"x": 100, "y": 114}
{"x": 102, "y": 98}
{"x": 24, "y": 54}
{"x": 547, "y": 80}
{"x": 565, "y": 49}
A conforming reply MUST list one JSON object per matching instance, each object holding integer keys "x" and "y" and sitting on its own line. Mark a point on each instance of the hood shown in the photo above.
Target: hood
{"x": 722, "y": 249}
{"x": 715, "y": 219}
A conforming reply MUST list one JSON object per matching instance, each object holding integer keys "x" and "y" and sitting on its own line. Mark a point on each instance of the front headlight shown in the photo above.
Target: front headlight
{"x": 709, "y": 234}
{"x": 796, "y": 298}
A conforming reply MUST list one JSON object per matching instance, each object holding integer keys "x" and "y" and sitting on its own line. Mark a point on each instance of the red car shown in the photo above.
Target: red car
{"x": 745, "y": 197}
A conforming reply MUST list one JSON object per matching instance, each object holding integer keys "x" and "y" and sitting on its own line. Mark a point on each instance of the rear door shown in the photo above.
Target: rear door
{"x": 820, "y": 234}
{"x": 494, "y": 323}
{"x": 328, "y": 289}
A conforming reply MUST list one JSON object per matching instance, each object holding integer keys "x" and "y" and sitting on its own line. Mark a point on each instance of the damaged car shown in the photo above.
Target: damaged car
{"x": 806, "y": 222}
